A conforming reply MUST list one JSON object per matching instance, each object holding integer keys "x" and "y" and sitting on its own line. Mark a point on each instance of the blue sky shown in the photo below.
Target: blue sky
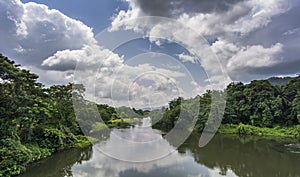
{"x": 240, "y": 40}
{"x": 94, "y": 13}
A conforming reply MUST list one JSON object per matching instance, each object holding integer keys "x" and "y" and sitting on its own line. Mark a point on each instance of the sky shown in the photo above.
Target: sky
{"x": 143, "y": 53}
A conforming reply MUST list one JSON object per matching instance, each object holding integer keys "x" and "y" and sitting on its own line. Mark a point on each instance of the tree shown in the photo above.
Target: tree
{"x": 290, "y": 92}
{"x": 258, "y": 95}
{"x": 267, "y": 117}
{"x": 236, "y": 110}
{"x": 296, "y": 107}
{"x": 34, "y": 122}
{"x": 20, "y": 92}
{"x": 175, "y": 102}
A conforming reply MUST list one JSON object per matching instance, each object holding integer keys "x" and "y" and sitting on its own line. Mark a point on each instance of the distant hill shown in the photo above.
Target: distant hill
{"x": 279, "y": 80}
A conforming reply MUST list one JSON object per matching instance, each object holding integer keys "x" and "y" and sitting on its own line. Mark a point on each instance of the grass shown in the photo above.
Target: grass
{"x": 124, "y": 120}
{"x": 249, "y": 130}
{"x": 228, "y": 129}
{"x": 84, "y": 141}
{"x": 122, "y": 123}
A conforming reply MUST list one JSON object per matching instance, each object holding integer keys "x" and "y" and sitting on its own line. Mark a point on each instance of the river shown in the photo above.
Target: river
{"x": 141, "y": 151}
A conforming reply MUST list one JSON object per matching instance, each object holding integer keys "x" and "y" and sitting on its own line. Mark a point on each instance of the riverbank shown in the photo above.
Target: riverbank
{"x": 226, "y": 129}
{"x": 38, "y": 153}
{"x": 122, "y": 122}
{"x": 26, "y": 154}
{"x": 224, "y": 151}
{"x": 81, "y": 140}
{"x": 249, "y": 130}
{"x": 15, "y": 156}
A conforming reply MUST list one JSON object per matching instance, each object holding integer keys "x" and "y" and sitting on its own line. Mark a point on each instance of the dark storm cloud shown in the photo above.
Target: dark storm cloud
{"x": 284, "y": 29}
{"x": 287, "y": 67}
{"x": 67, "y": 66}
{"x": 257, "y": 38}
{"x": 168, "y": 8}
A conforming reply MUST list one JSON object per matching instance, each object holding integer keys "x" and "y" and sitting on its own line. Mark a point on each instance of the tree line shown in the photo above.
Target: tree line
{"x": 36, "y": 121}
{"x": 258, "y": 104}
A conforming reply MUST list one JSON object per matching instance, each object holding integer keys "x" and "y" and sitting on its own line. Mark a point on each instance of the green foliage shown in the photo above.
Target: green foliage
{"x": 127, "y": 112}
{"x": 166, "y": 118}
{"x": 55, "y": 139}
{"x": 253, "y": 107}
{"x": 170, "y": 116}
{"x": 83, "y": 141}
{"x": 295, "y": 111}
{"x": 98, "y": 127}
{"x": 249, "y": 130}
{"x": 13, "y": 157}
{"x": 37, "y": 152}
{"x": 36, "y": 121}
{"x": 139, "y": 111}
{"x": 107, "y": 112}
{"x": 228, "y": 129}
{"x": 261, "y": 104}
{"x": 278, "y": 131}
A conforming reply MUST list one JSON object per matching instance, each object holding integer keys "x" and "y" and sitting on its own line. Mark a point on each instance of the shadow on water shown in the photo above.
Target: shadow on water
{"x": 246, "y": 157}
{"x": 59, "y": 164}
{"x": 224, "y": 156}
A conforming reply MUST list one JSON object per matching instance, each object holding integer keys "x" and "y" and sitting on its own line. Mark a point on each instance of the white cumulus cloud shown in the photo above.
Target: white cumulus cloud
{"x": 234, "y": 24}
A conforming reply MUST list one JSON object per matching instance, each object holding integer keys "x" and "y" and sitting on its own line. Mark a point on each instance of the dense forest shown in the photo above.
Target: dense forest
{"x": 36, "y": 121}
{"x": 251, "y": 109}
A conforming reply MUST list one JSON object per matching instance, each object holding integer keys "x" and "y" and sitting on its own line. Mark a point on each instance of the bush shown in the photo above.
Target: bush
{"x": 228, "y": 129}
{"x": 277, "y": 131}
{"x": 245, "y": 130}
{"x": 83, "y": 142}
{"x": 98, "y": 127}
{"x": 56, "y": 140}
{"x": 13, "y": 157}
{"x": 38, "y": 153}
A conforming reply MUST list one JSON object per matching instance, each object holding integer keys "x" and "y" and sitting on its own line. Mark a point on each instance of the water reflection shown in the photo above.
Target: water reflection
{"x": 136, "y": 144}
{"x": 175, "y": 165}
{"x": 142, "y": 144}
{"x": 223, "y": 156}
{"x": 60, "y": 164}
{"x": 247, "y": 157}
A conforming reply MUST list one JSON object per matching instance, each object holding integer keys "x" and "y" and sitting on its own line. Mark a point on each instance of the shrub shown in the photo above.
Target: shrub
{"x": 56, "y": 140}
{"x": 13, "y": 157}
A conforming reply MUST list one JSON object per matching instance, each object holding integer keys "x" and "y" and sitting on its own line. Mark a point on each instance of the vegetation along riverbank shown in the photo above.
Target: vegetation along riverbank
{"x": 37, "y": 121}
